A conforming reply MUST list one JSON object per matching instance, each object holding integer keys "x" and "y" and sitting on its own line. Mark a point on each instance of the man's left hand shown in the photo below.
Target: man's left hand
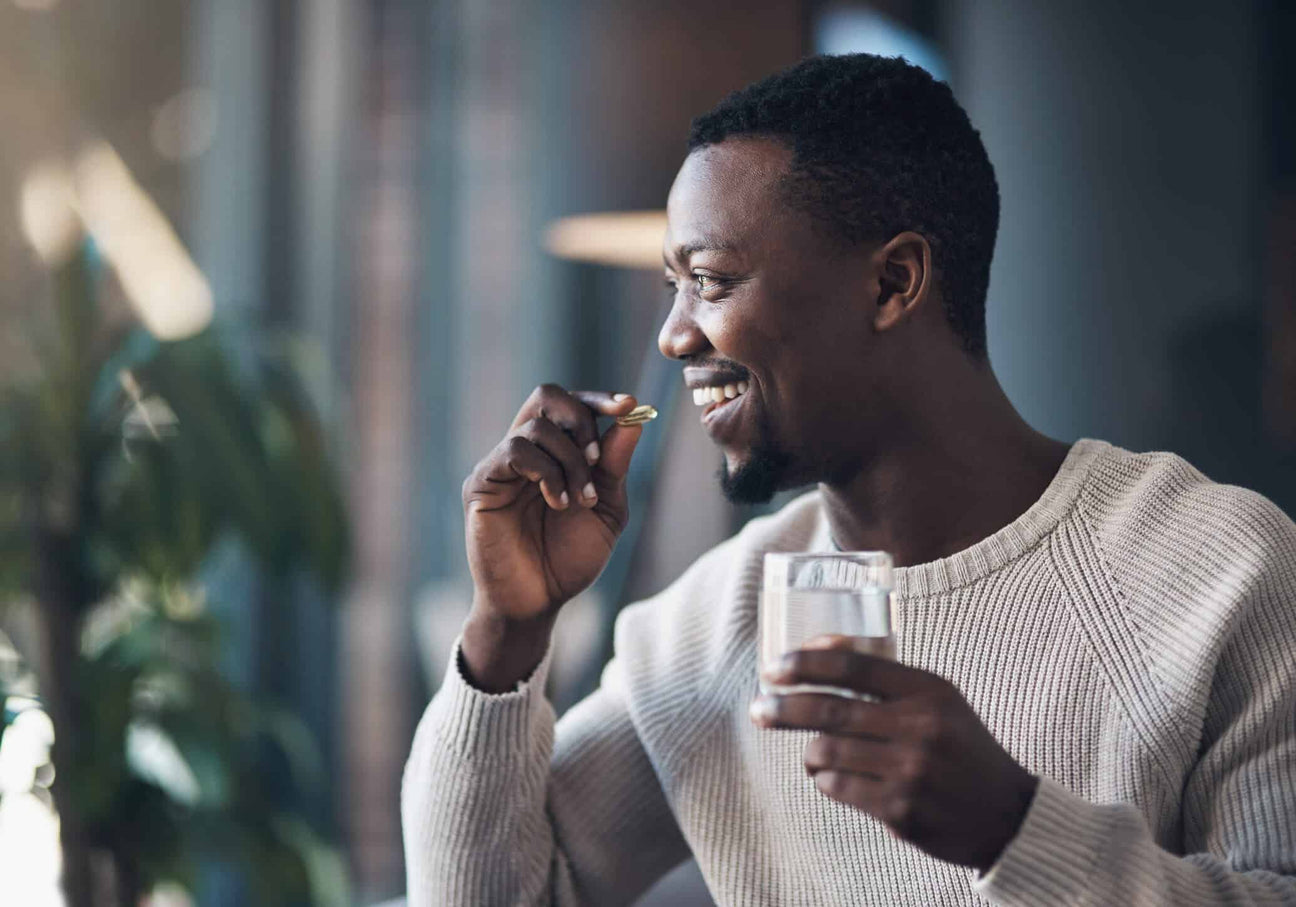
{"x": 919, "y": 759}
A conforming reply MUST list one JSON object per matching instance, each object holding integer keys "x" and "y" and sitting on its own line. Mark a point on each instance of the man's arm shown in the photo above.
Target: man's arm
{"x": 497, "y": 811}
{"x": 493, "y": 811}
{"x": 1238, "y": 808}
{"x": 1071, "y": 851}
{"x": 922, "y": 762}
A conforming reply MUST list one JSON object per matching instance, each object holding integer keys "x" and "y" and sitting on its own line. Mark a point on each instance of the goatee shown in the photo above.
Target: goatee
{"x": 757, "y": 480}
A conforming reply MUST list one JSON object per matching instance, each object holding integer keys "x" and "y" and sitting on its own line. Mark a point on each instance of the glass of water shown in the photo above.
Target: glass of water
{"x": 807, "y": 597}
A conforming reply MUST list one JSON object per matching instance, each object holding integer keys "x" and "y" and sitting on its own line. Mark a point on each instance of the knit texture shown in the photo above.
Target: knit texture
{"x": 1131, "y": 639}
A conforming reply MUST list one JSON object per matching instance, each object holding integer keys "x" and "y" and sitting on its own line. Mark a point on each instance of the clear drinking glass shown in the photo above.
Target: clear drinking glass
{"x": 807, "y": 596}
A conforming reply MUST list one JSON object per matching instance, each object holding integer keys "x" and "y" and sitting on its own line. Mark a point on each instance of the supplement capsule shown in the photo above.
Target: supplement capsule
{"x": 638, "y": 416}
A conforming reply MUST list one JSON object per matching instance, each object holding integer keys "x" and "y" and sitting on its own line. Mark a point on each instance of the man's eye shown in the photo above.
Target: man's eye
{"x": 704, "y": 281}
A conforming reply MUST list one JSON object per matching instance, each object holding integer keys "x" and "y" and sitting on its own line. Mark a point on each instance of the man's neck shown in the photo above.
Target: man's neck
{"x": 945, "y": 482}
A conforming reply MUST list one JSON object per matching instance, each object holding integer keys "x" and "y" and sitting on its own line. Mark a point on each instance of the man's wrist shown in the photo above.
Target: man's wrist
{"x": 499, "y": 652}
{"x": 1016, "y": 816}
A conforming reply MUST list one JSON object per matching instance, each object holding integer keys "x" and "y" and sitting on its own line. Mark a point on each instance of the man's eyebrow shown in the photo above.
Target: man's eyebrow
{"x": 684, "y": 250}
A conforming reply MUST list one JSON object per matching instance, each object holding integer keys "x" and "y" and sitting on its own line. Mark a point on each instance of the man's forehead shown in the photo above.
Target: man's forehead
{"x": 722, "y": 193}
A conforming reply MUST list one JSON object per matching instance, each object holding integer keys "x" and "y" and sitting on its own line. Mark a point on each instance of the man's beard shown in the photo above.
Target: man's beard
{"x": 756, "y": 481}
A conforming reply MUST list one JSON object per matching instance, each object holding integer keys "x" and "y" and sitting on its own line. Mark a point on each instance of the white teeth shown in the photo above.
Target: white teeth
{"x": 705, "y": 396}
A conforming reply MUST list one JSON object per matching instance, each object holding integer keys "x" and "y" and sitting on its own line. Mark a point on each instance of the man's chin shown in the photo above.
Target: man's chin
{"x": 754, "y": 480}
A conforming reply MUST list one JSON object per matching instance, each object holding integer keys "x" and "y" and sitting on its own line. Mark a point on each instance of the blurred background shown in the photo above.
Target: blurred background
{"x": 275, "y": 273}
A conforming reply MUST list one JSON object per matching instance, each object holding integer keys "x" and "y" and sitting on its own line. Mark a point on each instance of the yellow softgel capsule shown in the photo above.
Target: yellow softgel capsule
{"x": 638, "y": 416}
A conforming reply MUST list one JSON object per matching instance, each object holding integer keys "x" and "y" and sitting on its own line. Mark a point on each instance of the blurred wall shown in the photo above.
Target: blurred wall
{"x": 1125, "y": 294}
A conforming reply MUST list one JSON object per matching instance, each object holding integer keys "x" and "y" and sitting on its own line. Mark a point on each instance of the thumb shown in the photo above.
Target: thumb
{"x": 617, "y": 446}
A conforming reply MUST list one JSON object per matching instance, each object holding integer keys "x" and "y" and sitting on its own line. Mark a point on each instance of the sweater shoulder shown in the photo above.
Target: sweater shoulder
{"x": 1156, "y": 512}
{"x": 1198, "y": 565}
{"x": 684, "y": 635}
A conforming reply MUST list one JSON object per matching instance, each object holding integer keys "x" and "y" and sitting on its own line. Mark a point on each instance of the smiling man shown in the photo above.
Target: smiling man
{"x": 1095, "y": 695}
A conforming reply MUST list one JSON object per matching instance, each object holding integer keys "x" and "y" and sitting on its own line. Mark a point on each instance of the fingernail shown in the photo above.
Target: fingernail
{"x": 589, "y": 491}
{"x": 619, "y": 397}
{"x": 779, "y": 670}
{"x": 564, "y": 499}
{"x": 592, "y": 452}
{"x": 762, "y": 709}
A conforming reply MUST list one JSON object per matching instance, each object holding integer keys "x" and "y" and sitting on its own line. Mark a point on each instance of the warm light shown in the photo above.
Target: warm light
{"x": 169, "y": 293}
{"x": 47, "y": 212}
{"x": 185, "y": 126}
{"x": 626, "y": 239}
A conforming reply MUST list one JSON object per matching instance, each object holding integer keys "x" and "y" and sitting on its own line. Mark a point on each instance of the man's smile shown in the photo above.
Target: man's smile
{"x": 720, "y": 392}
{"x": 716, "y": 393}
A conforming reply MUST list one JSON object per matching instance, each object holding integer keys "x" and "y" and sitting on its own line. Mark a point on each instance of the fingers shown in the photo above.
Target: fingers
{"x": 618, "y": 443}
{"x": 561, "y": 425}
{"x": 565, "y": 410}
{"x": 860, "y": 791}
{"x": 832, "y": 752}
{"x": 852, "y": 670}
{"x": 881, "y": 779}
{"x": 885, "y": 799}
{"x": 518, "y": 456}
{"x": 829, "y": 714}
{"x": 881, "y": 646}
{"x": 574, "y": 412}
{"x": 551, "y": 439}
{"x": 606, "y": 404}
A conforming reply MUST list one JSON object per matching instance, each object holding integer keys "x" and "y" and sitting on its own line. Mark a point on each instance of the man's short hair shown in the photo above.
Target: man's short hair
{"x": 879, "y": 147}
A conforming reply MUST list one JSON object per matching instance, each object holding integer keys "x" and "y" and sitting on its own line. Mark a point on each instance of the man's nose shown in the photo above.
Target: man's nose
{"x": 680, "y": 335}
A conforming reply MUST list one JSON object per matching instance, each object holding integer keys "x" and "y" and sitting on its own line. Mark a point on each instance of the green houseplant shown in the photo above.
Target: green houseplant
{"x": 124, "y": 462}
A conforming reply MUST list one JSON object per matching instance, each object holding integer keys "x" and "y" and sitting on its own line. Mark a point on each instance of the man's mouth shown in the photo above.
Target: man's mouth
{"x": 717, "y": 394}
{"x": 719, "y": 400}
{"x": 719, "y": 391}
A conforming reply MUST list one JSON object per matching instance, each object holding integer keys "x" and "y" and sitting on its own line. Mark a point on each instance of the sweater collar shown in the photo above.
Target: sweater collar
{"x": 1001, "y": 547}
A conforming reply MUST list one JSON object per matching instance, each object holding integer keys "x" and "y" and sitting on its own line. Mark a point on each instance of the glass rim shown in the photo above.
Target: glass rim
{"x": 870, "y": 558}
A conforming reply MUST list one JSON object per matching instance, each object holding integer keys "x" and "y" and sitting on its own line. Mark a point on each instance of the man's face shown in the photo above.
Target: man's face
{"x": 765, "y": 302}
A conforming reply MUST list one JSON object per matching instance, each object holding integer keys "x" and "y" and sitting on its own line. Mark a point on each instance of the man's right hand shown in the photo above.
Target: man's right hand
{"x": 536, "y": 534}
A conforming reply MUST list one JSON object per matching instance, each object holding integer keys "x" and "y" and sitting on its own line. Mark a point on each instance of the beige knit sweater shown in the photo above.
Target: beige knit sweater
{"x": 1131, "y": 639}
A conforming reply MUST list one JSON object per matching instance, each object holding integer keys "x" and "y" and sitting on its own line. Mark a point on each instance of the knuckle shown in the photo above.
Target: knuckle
{"x": 515, "y": 446}
{"x": 835, "y": 712}
{"x": 820, "y": 753}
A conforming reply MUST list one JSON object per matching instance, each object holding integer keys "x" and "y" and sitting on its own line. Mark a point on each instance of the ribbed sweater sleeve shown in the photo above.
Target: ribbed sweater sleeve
{"x": 495, "y": 813}
{"x": 1237, "y": 646}
{"x": 1240, "y": 826}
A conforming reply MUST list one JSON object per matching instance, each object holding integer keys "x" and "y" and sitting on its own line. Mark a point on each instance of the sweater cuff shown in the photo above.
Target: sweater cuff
{"x": 476, "y": 723}
{"x": 1050, "y": 861}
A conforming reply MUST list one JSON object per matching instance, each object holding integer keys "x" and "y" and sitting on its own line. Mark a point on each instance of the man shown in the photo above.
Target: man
{"x": 1095, "y": 697}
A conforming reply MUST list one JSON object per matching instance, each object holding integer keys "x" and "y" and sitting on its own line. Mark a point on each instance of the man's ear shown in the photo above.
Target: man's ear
{"x": 903, "y": 266}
